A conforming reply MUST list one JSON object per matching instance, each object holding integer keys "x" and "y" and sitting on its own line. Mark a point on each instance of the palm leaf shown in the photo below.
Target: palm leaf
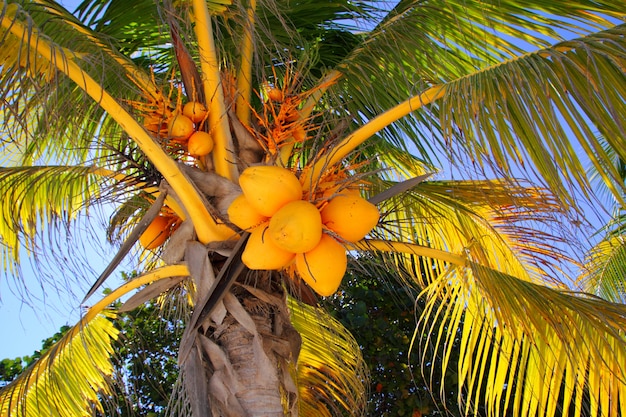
{"x": 528, "y": 109}
{"x": 482, "y": 219}
{"x": 67, "y": 379}
{"x": 35, "y": 198}
{"x": 531, "y": 347}
{"x": 605, "y": 268}
{"x": 331, "y": 374}
{"x": 512, "y": 115}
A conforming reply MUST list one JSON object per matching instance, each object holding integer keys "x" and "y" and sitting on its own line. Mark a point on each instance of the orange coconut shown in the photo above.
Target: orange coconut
{"x": 157, "y": 232}
{"x": 180, "y": 127}
{"x": 268, "y": 188}
{"x": 324, "y": 266}
{"x": 196, "y": 111}
{"x": 350, "y": 216}
{"x": 261, "y": 253}
{"x": 296, "y": 227}
{"x": 200, "y": 144}
{"x": 275, "y": 94}
{"x": 243, "y": 215}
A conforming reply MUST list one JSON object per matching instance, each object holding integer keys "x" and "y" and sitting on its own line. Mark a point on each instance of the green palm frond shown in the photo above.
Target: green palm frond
{"x": 530, "y": 108}
{"x": 67, "y": 379}
{"x": 529, "y": 347}
{"x": 331, "y": 374}
{"x": 512, "y": 114}
{"x": 36, "y": 197}
{"x": 604, "y": 271}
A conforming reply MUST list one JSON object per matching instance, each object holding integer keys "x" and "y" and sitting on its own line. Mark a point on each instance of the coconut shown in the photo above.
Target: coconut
{"x": 157, "y": 232}
{"x": 180, "y": 127}
{"x": 275, "y": 94}
{"x": 268, "y": 188}
{"x": 350, "y": 216}
{"x": 324, "y": 266}
{"x": 243, "y": 215}
{"x": 200, "y": 144}
{"x": 261, "y": 253}
{"x": 195, "y": 111}
{"x": 296, "y": 227}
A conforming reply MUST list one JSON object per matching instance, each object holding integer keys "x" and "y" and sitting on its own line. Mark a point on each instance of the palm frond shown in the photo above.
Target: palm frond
{"x": 49, "y": 106}
{"x": 35, "y": 198}
{"x": 512, "y": 114}
{"x": 604, "y": 271}
{"x": 331, "y": 374}
{"x": 529, "y": 347}
{"x": 483, "y": 220}
{"x": 67, "y": 379}
{"x": 540, "y": 107}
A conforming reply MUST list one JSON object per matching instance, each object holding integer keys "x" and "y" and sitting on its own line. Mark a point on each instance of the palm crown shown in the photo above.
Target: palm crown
{"x": 349, "y": 100}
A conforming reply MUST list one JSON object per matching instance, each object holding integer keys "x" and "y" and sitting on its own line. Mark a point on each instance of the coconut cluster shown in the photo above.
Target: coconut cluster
{"x": 181, "y": 128}
{"x": 286, "y": 230}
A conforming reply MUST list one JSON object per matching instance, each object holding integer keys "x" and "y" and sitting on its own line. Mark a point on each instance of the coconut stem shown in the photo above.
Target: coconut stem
{"x": 305, "y": 112}
{"x": 350, "y": 142}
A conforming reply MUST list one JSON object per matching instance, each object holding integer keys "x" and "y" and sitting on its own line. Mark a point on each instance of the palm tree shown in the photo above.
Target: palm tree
{"x": 313, "y": 105}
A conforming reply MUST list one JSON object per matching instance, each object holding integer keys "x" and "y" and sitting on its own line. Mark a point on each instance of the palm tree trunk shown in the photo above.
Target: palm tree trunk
{"x": 239, "y": 362}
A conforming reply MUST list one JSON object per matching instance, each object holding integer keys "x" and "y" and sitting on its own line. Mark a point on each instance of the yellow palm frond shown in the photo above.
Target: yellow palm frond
{"x": 531, "y": 347}
{"x": 331, "y": 374}
{"x": 36, "y": 197}
{"x": 482, "y": 220}
{"x": 68, "y": 378}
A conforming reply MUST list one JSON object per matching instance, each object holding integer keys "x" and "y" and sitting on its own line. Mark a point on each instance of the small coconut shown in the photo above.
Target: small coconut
{"x": 180, "y": 127}
{"x": 275, "y": 94}
{"x": 296, "y": 227}
{"x": 324, "y": 266}
{"x": 157, "y": 232}
{"x": 268, "y": 188}
{"x": 350, "y": 216}
{"x": 261, "y": 254}
{"x": 243, "y": 215}
{"x": 200, "y": 144}
{"x": 196, "y": 111}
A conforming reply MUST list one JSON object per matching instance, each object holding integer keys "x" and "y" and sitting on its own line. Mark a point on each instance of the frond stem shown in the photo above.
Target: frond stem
{"x": 350, "y": 142}
{"x": 204, "y": 224}
{"x": 410, "y": 248}
{"x": 154, "y": 275}
{"x": 244, "y": 76}
{"x": 224, "y": 150}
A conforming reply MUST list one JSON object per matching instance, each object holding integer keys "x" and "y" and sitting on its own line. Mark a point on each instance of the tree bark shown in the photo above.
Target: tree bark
{"x": 240, "y": 360}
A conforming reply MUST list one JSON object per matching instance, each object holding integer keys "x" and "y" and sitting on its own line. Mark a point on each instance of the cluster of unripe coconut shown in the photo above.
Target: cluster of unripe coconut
{"x": 286, "y": 230}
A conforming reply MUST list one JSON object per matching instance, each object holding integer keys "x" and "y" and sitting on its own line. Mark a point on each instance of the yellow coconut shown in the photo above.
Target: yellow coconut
{"x": 157, "y": 232}
{"x": 324, "y": 266}
{"x": 200, "y": 144}
{"x": 268, "y": 188}
{"x": 180, "y": 127}
{"x": 261, "y": 253}
{"x": 296, "y": 227}
{"x": 243, "y": 215}
{"x": 195, "y": 111}
{"x": 349, "y": 216}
